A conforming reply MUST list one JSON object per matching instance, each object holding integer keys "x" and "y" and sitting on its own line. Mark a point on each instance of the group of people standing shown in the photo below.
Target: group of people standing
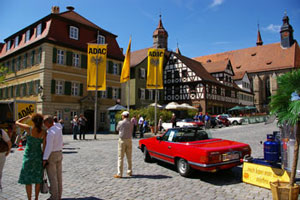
{"x": 79, "y": 126}
{"x": 43, "y": 151}
{"x": 203, "y": 118}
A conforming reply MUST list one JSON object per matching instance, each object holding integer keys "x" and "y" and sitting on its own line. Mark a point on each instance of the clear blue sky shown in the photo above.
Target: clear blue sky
{"x": 200, "y": 27}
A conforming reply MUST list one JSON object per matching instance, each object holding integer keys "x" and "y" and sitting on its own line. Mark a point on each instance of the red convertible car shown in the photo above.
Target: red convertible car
{"x": 193, "y": 148}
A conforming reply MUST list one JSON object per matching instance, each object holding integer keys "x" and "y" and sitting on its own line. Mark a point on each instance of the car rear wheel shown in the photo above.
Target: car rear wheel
{"x": 147, "y": 157}
{"x": 183, "y": 167}
{"x": 235, "y": 123}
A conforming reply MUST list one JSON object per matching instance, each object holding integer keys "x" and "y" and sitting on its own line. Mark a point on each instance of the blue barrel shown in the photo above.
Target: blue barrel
{"x": 271, "y": 149}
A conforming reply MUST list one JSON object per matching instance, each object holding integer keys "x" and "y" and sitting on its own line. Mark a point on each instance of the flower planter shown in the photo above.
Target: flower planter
{"x": 283, "y": 191}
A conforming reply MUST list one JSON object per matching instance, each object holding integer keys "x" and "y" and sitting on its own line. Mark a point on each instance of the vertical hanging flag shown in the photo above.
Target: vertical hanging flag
{"x": 125, "y": 75}
{"x": 155, "y": 69}
{"x": 96, "y": 58}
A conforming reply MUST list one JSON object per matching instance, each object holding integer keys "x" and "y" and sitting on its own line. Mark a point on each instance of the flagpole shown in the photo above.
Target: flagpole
{"x": 155, "y": 110}
{"x": 96, "y": 99}
{"x": 128, "y": 96}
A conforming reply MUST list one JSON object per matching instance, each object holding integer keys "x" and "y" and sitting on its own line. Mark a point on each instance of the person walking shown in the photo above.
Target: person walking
{"x": 52, "y": 158}
{"x": 207, "y": 120}
{"x": 82, "y": 126}
{"x": 75, "y": 127}
{"x": 134, "y": 122}
{"x": 160, "y": 121}
{"x": 32, "y": 167}
{"x": 141, "y": 124}
{"x": 173, "y": 120}
{"x": 124, "y": 128}
{"x": 5, "y": 146}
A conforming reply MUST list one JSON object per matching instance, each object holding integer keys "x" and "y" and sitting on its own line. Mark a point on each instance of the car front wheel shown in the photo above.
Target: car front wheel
{"x": 235, "y": 123}
{"x": 183, "y": 167}
{"x": 147, "y": 157}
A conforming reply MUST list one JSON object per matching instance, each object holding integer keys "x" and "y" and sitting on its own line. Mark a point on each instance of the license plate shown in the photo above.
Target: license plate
{"x": 232, "y": 156}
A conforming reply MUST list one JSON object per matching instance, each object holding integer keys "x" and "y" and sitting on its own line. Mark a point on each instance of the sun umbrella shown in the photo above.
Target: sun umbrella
{"x": 188, "y": 107}
{"x": 250, "y": 108}
{"x": 173, "y": 106}
{"x": 236, "y": 108}
{"x": 158, "y": 105}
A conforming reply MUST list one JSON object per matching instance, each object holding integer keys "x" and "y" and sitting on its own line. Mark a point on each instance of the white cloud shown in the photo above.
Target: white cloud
{"x": 272, "y": 28}
{"x": 216, "y": 3}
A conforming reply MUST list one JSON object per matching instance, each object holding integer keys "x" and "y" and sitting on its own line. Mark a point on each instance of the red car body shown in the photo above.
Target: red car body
{"x": 223, "y": 120}
{"x": 193, "y": 148}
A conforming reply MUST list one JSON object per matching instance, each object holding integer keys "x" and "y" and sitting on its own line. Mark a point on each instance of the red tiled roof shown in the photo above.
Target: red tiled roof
{"x": 239, "y": 75}
{"x": 138, "y": 56}
{"x": 54, "y": 32}
{"x": 214, "y": 67}
{"x": 260, "y": 58}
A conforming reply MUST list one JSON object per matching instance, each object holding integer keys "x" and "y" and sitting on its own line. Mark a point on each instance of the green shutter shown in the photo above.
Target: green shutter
{"x": 31, "y": 88}
{"x": 68, "y": 88}
{"x": 13, "y": 65}
{"x": 54, "y": 55}
{"x": 109, "y": 92}
{"x": 18, "y": 90}
{"x": 12, "y": 91}
{"x": 19, "y": 63}
{"x": 119, "y": 93}
{"x": 83, "y": 61}
{"x": 24, "y": 89}
{"x": 52, "y": 86}
{"x": 69, "y": 58}
{"x": 110, "y": 67}
{"x": 32, "y": 57}
{"x": 6, "y": 92}
{"x": 25, "y": 60}
{"x": 120, "y": 68}
{"x": 81, "y": 89}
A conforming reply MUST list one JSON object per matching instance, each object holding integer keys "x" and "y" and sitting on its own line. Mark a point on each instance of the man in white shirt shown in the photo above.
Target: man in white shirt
{"x": 52, "y": 158}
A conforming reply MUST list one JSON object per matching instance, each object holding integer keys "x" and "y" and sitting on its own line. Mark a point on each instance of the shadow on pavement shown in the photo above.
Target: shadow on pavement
{"x": 83, "y": 198}
{"x": 149, "y": 176}
{"x": 69, "y": 152}
{"x": 223, "y": 177}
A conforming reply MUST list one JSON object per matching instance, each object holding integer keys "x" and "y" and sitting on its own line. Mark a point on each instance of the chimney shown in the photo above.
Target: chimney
{"x": 70, "y": 8}
{"x": 55, "y": 10}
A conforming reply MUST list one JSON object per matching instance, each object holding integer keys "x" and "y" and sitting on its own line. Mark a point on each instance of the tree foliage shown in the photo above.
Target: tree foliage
{"x": 3, "y": 72}
{"x": 281, "y": 104}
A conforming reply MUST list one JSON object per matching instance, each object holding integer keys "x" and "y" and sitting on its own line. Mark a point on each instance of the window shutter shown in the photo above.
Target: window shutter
{"x": 25, "y": 60}
{"x": 68, "y": 88}
{"x": 147, "y": 94}
{"x": 19, "y": 63}
{"x": 13, "y": 65}
{"x": 54, "y": 55}
{"x": 1, "y": 93}
{"x": 139, "y": 93}
{"x": 83, "y": 61}
{"x": 31, "y": 88}
{"x": 99, "y": 94}
{"x": 32, "y": 57}
{"x": 140, "y": 72}
{"x": 110, "y": 67}
{"x": 69, "y": 58}
{"x": 109, "y": 92}
{"x": 11, "y": 91}
{"x": 18, "y": 90}
{"x": 52, "y": 86}
{"x": 81, "y": 89}
{"x": 6, "y": 92}
{"x": 37, "y": 85}
{"x": 119, "y": 95}
{"x": 120, "y": 68}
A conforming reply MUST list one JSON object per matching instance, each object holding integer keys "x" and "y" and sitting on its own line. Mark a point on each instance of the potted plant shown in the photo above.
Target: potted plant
{"x": 285, "y": 104}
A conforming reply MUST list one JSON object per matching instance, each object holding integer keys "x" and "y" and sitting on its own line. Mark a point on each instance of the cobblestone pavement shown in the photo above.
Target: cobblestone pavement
{"x": 89, "y": 166}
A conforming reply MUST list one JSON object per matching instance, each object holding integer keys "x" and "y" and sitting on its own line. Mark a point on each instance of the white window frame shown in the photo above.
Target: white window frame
{"x": 75, "y": 89}
{"x": 73, "y": 113}
{"x": 143, "y": 94}
{"x": 75, "y": 60}
{"x": 8, "y": 45}
{"x": 59, "y": 87}
{"x": 74, "y": 32}
{"x": 143, "y": 73}
{"x": 115, "y": 93}
{"x": 27, "y": 35}
{"x": 100, "y": 39}
{"x": 60, "y": 56}
{"x": 59, "y": 114}
{"x": 39, "y": 29}
{"x": 115, "y": 68}
{"x": 16, "y": 41}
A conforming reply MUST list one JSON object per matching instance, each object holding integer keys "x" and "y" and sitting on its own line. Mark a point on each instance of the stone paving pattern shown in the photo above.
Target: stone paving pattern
{"x": 89, "y": 166}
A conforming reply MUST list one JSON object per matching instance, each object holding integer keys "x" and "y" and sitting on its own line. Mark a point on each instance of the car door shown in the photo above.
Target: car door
{"x": 165, "y": 147}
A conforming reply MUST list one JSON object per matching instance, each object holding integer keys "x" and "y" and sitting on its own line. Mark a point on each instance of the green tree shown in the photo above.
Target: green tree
{"x": 3, "y": 72}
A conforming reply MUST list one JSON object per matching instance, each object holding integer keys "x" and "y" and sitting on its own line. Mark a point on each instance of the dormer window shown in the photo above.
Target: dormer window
{"x": 100, "y": 39}
{"x": 16, "y": 41}
{"x": 38, "y": 30}
{"x": 74, "y": 32}
{"x": 8, "y": 45}
{"x": 27, "y": 36}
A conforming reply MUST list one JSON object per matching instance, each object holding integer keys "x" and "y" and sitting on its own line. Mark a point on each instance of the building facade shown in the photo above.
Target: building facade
{"x": 47, "y": 61}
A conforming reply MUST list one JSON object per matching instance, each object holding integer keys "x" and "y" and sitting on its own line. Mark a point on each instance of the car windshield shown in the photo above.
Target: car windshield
{"x": 186, "y": 135}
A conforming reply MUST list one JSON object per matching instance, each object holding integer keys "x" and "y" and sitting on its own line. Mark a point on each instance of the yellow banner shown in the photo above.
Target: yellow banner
{"x": 262, "y": 175}
{"x": 24, "y": 109}
{"x": 155, "y": 69}
{"x": 97, "y": 54}
{"x": 125, "y": 75}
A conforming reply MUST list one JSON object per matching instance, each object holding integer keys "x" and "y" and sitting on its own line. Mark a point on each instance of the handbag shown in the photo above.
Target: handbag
{"x": 44, "y": 186}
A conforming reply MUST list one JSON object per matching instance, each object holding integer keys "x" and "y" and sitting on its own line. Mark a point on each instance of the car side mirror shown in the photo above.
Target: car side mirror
{"x": 159, "y": 138}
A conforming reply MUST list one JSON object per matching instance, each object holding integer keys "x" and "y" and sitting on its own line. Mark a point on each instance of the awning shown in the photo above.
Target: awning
{"x": 116, "y": 107}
